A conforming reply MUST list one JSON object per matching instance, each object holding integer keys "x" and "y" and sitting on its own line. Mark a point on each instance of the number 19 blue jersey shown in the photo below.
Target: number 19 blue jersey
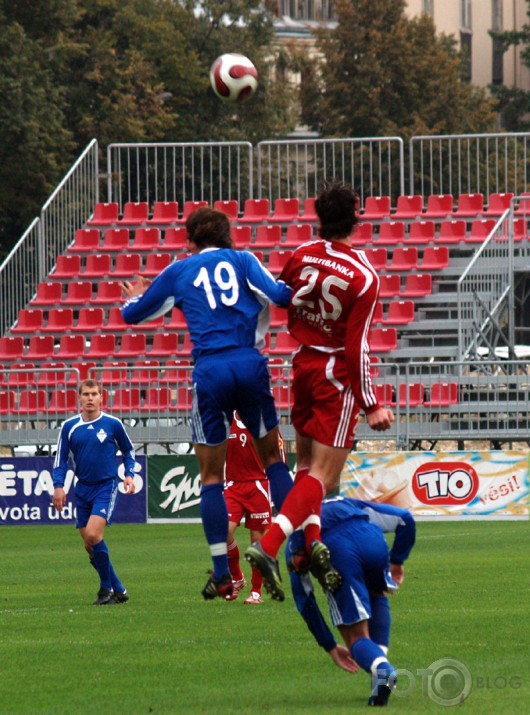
{"x": 224, "y": 295}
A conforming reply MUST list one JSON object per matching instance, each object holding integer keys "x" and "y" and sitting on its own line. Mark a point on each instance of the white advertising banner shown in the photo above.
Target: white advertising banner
{"x": 481, "y": 484}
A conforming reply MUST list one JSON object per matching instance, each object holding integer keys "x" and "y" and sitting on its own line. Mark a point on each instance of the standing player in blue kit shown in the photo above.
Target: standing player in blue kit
{"x": 225, "y": 296}
{"x": 92, "y": 439}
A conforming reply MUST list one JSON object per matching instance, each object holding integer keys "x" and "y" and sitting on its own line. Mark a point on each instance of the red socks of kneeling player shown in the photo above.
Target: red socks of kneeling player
{"x": 303, "y": 501}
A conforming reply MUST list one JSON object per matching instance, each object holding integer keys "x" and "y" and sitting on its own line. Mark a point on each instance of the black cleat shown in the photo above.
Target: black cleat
{"x": 120, "y": 597}
{"x": 104, "y": 597}
{"x": 382, "y": 689}
{"x": 222, "y": 587}
{"x": 269, "y": 569}
{"x": 327, "y": 575}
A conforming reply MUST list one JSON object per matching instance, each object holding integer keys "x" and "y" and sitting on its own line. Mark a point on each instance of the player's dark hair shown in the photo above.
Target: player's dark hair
{"x": 90, "y": 383}
{"x": 209, "y": 227}
{"x": 336, "y": 208}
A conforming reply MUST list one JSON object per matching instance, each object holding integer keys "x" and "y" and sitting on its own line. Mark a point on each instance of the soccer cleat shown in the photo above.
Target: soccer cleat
{"x": 269, "y": 569}
{"x": 253, "y": 599}
{"x": 384, "y": 685}
{"x": 120, "y": 597}
{"x": 299, "y": 562}
{"x": 222, "y": 587}
{"x": 327, "y": 575}
{"x": 104, "y": 597}
{"x": 238, "y": 586}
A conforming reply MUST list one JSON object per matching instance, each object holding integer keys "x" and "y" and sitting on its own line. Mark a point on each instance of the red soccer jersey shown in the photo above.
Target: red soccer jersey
{"x": 242, "y": 461}
{"x": 335, "y": 290}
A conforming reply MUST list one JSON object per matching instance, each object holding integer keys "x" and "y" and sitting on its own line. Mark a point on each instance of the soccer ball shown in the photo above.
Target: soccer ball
{"x": 233, "y": 77}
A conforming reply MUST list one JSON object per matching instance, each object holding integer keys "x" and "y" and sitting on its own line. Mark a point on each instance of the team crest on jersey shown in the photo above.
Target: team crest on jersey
{"x": 101, "y": 435}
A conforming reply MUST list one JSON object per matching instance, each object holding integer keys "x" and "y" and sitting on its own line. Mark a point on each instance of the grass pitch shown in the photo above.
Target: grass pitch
{"x": 465, "y": 598}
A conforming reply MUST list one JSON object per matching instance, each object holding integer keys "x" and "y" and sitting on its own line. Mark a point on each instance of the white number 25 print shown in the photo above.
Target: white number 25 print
{"x": 329, "y": 305}
{"x": 225, "y": 278}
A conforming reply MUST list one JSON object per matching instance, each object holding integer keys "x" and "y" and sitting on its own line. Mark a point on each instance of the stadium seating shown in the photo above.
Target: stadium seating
{"x": 417, "y": 285}
{"x": 267, "y": 236}
{"x": 48, "y": 293}
{"x": 71, "y": 347}
{"x": 115, "y": 321}
{"x": 285, "y": 344}
{"x": 127, "y": 265}
{"x": 176, "y": 372}
{"x": 78, "y": 293}
{"x": 383, "y": 339}
{"x": 40, "y": 347}
{"x": 132, "y": 345}
{"x": 282, "y": 396}
{"x": 378, "y": 257}
{"x": 51, "y": 374}
{"x": 242, "y": 236}
{"x": 7, "y": 402}
{"x": 411, "y": 394}
{"x": 164, "y": 212}
{"x": 404, "y": 259}
{"x": 135, "y": 213}
{"x": 22, "y": 374}
{"x": 297, "y": 233}
{"x": 67, "y": 266}
{"x": 277, "y": 260}
{"x": 146, "y": 372}
{"x": 435, "y": 258}
{"x": 255, "y": 211}
{"x": 480, "y": 230}
{"x": 285, "y": 210}
{"x": 376, "y": 208}
{"x": 383, "y": 394}
{"x": 32, "y": 402}
{"x": 400, "y": 312}
{"x": 189, "y": 207}
{"x": 157, "y": 399}
{"x": 184, "y": 399}
{"x": 498, "y": 203}
{"x": 97, "y": 265}
{"x": 146, "y": 239}
{"x": 362, "y": 234}
{"x": 229, "y": 207}
{"x": 30, "y": 320}
{"x": 126, "y": 399}
{"x": 59, "y": 320}
{"x": 442, "y": 394}
{"x": 116, "y": 239}
{"x": 164, "y": 345}
{"x": 155, "y": 263}
{"x": 452, "y": 231}
{"x": 175, "y": 238}
{"x": 421, "y": 232}
{"x": 439, "y": 206}
{"x": 469, "y": 206}
{"x": 391, "y": 232}
{"x": 408, "y": 207}
{"x": 177, "y": 321}
{"x": 113, "y": 372}
{"x": 85, "y": 240}
{"x": 278, "y": 316}
{"x": 377, "y": 317}
{"x": 102, "y": 345}
{"x": 105, "y": 214}
{"x": 63, "y": 401}
{"x": 108, "y": 292}
{"x": 187, "y": 346}
{"x": 309, "y": 213}
{"x": 389, "y": 286}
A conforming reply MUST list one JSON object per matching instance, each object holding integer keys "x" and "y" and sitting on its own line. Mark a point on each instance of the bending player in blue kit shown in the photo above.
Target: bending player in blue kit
{"x": 353, "y": 532}
{"x": 225, "y": 296}
{"x": 91, "y": 439}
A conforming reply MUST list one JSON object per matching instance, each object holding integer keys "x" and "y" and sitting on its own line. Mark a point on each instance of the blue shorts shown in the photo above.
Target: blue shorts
{"x": 360, "y": 553}
{"x": 98, "y": 499}
{"x": 227, "y": 381}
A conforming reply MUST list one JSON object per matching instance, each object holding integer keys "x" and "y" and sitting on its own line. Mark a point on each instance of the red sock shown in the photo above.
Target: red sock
{"x": 257, "y": 580}
{"x": 233, "y": 561}
{"x": 311, "y": 533}
{"x": 303, "y": 500}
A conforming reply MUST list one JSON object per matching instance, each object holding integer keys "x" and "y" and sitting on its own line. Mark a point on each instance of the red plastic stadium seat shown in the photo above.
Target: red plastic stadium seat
{"x": 132, "y": 345}
{"x": 282, "y": 396}
{"x": 127, "y": 264}
{"x": 164, "y": 345}
{"x": 523, "y": 208}
{"x": 298, "y": 233}
{"x": 310, "y": 213}
{"x": 134, "y": 213}
{"x": 377, "y": 317}
{"x": 81, "y": 370}
{"x": 52, "y": 374}
{"x": 435, "y": 258}
{"x": 177, "y": 321}
{"x": 278, "y": 316}
{"x": 22, "y": 374}
{"x": 63, "y": 402}
{"x": 164, "y": 212}
{"x": 114, "y": 372}
{"x": 480, "y": 230}
{"x": 186, "y": 347}
{"x": 7, "y": 402}
{"x": 400, "y": 312}
{"x": 78, "y": 293}
{"x": 285, "y": 210}
{"x": 67, "y": 266}
{"x": 378, "y": 257}
{"x": 175, "y": 238}
{"x": 155, "y": 263}
{"x": 417, "y": 285}
{"x": 105, "y": 214}
{"x": 85, "y": 240}
{"x": 383, "y": 394}
{"x": 391, "y": 232}
{"x": 189, "y": 208}
{"x": 146, "y": 372}
{"x": 408, "y": 207}
{"x": 439, "y": 206}
{"x": 229, "y": 207}
{"x": 30, "y": 320}
{"x": 108, "y": 292}
{"x": 443, "y": 394}
{"x": 59, "y": 320}
{"x": 40, "y": 347}
{"x": 268, "y": 236}
{"x": 469, "y": 206}
{"x": 146, "y": 239}
{"x": 177, "y": 372}
{"x": 101, "y": 346}
{"x": 158, "y": 399}
{"x": 115, "y": 321}
{"x": 154, "y": 323}
{"x": 32, "y": 402}
{"x": 376, "y": 207}
{"x": 126, "y": 399}
{"x": 277, "y": 260}
{"x": 97, "y": 265}
{"x": 498, "y": 203}
{"x": 452, "y": 231}
{"x": 48, "y": 293}
{"x": 389, "y": 286}
{"x": 411, "y": 394}
{"x": 255, "y": 211}
{"x": 383, "y": 340}
{"x": 362, "y": 234}
{"x": 404, "y": 259}
{"x": 242, "y": 236}
{"x": 71, "y": 347}
{"x": 116, "y": 239}
{"x": 184, "y": 399}
{"x": 421, "y": 232}
{"x": 285, "y": 344}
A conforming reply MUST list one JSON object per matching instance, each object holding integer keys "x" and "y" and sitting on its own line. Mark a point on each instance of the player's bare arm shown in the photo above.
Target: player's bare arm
{"x": 381, "y": 419}
{"x": 59, "y": 498}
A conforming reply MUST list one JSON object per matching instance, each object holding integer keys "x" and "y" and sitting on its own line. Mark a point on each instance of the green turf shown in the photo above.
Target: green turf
{"x": 465, "y": 598}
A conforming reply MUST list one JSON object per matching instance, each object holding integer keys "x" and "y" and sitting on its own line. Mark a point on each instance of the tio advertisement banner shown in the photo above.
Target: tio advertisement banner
{"x": 482, "y": 484}
{"x": 26, "y": 490}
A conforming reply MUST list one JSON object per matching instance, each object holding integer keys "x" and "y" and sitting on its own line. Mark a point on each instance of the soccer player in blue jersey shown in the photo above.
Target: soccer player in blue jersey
{"x": 91, "y": 440}
{"x": 353, "y": 532}
{"x": 225, "y": 296}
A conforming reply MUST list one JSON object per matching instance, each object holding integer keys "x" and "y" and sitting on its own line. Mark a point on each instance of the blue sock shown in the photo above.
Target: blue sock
{"x": 102, "y": 563}
{"x": 380, "y": 621}
{"x": 280, "y": 482}
{"x": 214, "y": 515}
{"x": 117, "y": 585}
{"x": 366, "y": 653}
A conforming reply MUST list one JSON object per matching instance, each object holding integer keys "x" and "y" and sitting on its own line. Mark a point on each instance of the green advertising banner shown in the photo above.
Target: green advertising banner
{"x": 174, "y": 488}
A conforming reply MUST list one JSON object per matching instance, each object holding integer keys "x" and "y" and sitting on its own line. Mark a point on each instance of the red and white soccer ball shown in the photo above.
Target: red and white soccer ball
{"x": 233, "y": 77}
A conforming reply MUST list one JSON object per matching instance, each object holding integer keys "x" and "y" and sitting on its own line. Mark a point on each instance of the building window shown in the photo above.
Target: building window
{"x": 427, "y": 7}
{"x": 306, "y": 9}
{"x": 466, "y": 45}
{"x": 465, "y": 14}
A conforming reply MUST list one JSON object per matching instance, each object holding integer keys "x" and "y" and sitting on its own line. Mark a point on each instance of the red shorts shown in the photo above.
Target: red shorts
{"x": 324, "y": 407}
{"x": 249, "y": 499}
